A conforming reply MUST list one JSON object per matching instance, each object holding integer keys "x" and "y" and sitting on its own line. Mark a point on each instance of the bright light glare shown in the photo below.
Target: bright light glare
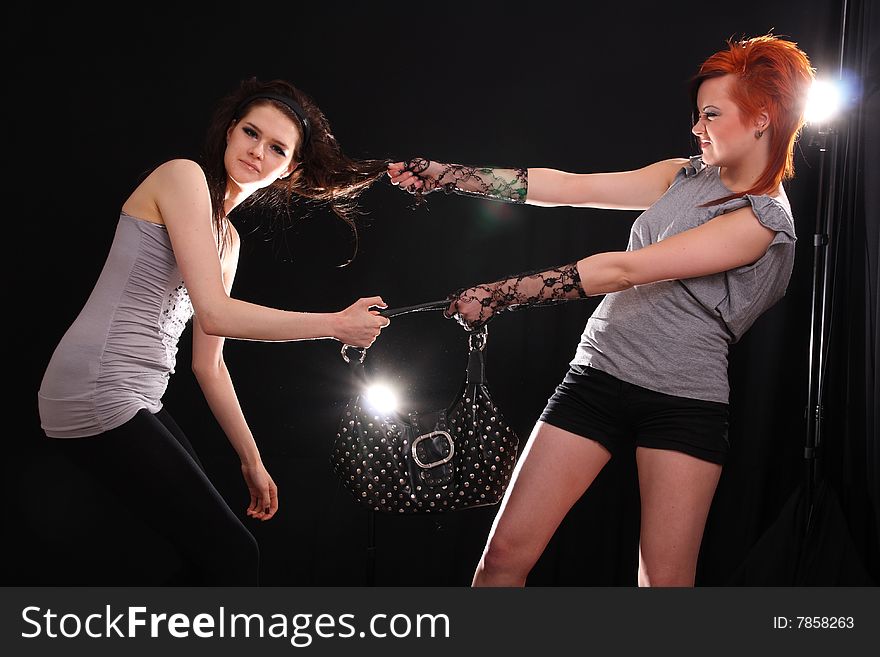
{"x": 823, "y": 102}
{"x": 382, "y": 398}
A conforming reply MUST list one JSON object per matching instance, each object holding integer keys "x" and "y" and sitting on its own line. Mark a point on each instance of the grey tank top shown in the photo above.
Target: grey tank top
{"x": 117, "y": 356}
{"x": 673, "y": 336}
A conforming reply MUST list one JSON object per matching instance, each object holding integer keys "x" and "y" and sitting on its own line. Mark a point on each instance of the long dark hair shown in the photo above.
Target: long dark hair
{"x": 324, "y": 174}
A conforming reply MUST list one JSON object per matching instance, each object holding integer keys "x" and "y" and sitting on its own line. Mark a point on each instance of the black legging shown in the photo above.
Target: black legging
{"x": 151, "y": 467}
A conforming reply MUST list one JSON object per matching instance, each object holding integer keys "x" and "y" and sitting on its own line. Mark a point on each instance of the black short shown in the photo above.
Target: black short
{"x": 621, "y": 416}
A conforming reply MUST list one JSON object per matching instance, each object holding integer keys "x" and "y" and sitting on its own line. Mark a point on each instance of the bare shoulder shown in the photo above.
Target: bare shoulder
{"x": 675, "y": 163}
{"x": 179, "y": 187}
{"x": 668, "y": 169}
{"x": 179, "y": 170}
{"x": 657, "y": 177}
{"x": 174, "y": 177}
{"x": 644, "y": 186}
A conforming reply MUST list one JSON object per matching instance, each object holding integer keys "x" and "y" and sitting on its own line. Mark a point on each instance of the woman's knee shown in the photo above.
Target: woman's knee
{"x": 503, "y": 555}
{"x": 242, "y": 546}
{"x": 666, "y": 574}
{"x": 250, "y": 549}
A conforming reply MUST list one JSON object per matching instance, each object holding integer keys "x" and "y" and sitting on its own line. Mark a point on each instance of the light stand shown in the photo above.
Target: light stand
{"x": 825, "y": 137}
{"x": 826, "y": 140}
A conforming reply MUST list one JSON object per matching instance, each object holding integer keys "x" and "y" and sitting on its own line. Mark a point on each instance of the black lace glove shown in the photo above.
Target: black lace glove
{"x": 510, "y": 185}
{"x": 474, "y": 306}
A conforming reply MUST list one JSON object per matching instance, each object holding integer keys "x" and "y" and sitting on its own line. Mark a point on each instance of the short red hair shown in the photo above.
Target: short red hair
{"x": 773, "y": 76}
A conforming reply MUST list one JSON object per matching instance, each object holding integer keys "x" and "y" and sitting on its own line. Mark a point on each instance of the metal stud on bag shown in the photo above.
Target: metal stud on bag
{"x": 445, "y": 460}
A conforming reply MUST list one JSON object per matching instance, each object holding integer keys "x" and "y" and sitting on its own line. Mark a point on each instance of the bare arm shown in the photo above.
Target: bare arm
{"x": 624, "y": 190}
{"x": 184, "y": 204}
{"x": 210, "y": 370}
{"x": 731, "y": 240}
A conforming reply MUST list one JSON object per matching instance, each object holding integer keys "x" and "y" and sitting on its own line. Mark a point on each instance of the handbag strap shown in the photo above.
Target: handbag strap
{"x": 476, "y": 372}
{"x": 476, "y": 367}
{"x": 441, "y": 304}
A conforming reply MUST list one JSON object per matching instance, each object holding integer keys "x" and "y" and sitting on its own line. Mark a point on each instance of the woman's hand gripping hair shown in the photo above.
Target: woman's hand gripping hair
{"x": 420, "y": 176}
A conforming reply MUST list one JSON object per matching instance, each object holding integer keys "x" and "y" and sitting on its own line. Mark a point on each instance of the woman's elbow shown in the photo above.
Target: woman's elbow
{"x": 605, "y": 273}
{"x": 624, "y": 281}
{"x": 211, "y": 321}
{"x": 211, "y": 327}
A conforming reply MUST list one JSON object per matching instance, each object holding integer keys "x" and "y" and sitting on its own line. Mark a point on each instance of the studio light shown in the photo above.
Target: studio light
{"x": 824, "y": 101}
{"x": 381, "y": 398}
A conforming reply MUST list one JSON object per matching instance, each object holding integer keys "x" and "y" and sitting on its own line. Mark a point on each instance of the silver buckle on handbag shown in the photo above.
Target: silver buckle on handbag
{"x": 426, "y": 436}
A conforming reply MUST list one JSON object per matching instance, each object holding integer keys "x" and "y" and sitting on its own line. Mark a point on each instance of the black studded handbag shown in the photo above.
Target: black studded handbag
{"x": 445, "y": 460}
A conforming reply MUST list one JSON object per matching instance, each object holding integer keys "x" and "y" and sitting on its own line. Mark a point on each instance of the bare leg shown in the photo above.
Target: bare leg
{"x": 555, "y": 469}
{"x": 676, "y": 491}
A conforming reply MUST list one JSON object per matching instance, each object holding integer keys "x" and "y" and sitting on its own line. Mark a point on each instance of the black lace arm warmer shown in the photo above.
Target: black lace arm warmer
{"x": 474, "y": 306}
{"x": 510, "y": 185}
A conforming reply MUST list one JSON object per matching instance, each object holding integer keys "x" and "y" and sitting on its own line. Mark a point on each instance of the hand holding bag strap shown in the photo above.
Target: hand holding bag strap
{"x": 441, "y": 304}
{"x": 355, "y": 356}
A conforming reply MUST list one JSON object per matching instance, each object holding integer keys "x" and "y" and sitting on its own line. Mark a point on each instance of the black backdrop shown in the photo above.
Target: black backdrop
{"x": 97, "y": 101}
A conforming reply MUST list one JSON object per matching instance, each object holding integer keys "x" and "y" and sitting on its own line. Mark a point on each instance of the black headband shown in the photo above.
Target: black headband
{"x": 284, "y": 100}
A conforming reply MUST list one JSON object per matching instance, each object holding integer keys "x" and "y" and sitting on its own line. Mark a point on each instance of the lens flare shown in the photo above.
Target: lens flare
{"x": 824, "y": 102}
{"x": 381, "y": 398}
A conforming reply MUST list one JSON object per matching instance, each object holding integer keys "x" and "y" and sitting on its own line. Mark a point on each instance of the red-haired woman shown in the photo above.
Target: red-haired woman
{"x": 713, "y": 249}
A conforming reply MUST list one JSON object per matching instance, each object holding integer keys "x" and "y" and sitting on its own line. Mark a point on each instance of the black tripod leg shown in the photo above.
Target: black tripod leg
{"x": 371, "y": 548}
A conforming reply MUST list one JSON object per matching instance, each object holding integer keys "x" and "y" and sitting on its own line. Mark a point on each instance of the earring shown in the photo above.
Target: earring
{"x": 759, "y": 134}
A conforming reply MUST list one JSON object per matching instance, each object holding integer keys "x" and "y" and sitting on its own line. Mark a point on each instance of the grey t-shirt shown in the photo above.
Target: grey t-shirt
{"x": 673, "y": 336}
{"x": 118, "y": 354}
